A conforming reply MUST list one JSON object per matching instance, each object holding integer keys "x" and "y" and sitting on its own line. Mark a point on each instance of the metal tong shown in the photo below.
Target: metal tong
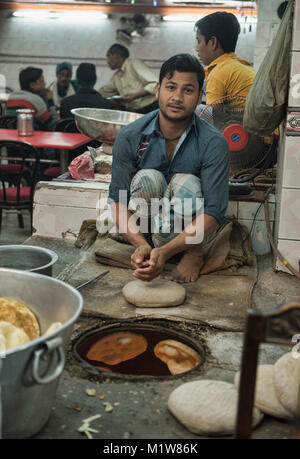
{"x": 99, "y": 276}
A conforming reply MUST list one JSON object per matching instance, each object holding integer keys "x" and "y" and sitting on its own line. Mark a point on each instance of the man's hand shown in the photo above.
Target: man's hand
{"x": 47, "y": 94}
{"x": 134, "y": 95}
{"x": 152, "y": 267}
{"x": 140, "y": 257}
{"x": 129, "y": 97}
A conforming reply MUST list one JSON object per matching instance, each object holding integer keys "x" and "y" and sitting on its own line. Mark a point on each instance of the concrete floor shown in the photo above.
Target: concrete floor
{"x": 140, "y": 403}
{"x": 10, "y": 232}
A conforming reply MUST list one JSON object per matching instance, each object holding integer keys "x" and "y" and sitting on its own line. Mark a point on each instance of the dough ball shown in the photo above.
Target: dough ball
{"x": 265, "y": 396}
{"x": 286, "y": 381}
{"x": 11, "y": 336}
{"x": 117, "y": 347}
{"x": 207, "y": 407}
{"x": 178, "y": 357}
{"x": 19, "y": 315}
{"x": 155, "y": 294}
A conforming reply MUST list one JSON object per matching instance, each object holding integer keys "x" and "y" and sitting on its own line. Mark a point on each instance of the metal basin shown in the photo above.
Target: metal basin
{"x": 27, "y": 258}
{"x": 103, "y": 125}
{"x": 29, "y": 374}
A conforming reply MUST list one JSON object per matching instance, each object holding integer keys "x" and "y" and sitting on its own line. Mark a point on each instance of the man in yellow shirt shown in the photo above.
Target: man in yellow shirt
{"x": 225, "y": 73}
{"x": 133, "y": 81}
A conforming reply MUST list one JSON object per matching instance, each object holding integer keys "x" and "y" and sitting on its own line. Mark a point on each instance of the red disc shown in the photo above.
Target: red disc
{"x": 236, "y": 137}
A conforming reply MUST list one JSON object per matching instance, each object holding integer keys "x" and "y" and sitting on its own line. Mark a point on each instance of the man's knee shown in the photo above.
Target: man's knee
{"x": 185, "y": 186}
{"x": 185, "y": 194}
{"x": 147, "y": 184}
{"x": 185, "y": 180}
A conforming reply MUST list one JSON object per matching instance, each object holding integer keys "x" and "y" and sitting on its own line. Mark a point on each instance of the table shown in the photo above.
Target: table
{"x": 63, "y": 141}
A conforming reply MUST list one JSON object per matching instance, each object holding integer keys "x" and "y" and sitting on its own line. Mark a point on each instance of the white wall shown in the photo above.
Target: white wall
{"x": 24, "y": 42}
{"x": 268, "y": 22}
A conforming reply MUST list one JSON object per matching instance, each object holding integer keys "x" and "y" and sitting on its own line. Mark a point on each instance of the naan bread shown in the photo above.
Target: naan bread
{"x": 53, "y": 327}
{"x": 19, "y": 314}
{"x": 177, "y": 356}
{"x": 117, "y": 347}
{"x": 11, "y": 336}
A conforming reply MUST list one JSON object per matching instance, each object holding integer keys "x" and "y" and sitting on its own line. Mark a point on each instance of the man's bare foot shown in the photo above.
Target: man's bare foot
{"x": 188, "y": 269}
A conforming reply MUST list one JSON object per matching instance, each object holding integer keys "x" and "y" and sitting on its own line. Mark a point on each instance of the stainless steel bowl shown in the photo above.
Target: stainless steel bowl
{"x": 103, "y": 125}
{"x": 29, "y": 374}
{"x": 27, "y": 258}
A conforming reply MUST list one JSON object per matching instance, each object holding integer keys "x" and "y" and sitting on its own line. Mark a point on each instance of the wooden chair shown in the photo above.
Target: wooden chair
{"x": 17, "y": 184}
{"x": 278, "y": 326}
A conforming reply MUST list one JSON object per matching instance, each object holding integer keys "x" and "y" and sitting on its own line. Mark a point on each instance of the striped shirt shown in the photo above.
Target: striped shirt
{"x": 30, "y": 100}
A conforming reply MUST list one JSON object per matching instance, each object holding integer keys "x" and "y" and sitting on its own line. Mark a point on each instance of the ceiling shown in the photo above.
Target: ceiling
{"x": 138, "y": 6}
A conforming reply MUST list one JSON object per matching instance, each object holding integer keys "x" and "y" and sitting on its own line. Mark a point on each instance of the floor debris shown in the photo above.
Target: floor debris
{"x": 90, "y": 392}
{"x": 108, "y": 407}
{"x": 85, "y": 427}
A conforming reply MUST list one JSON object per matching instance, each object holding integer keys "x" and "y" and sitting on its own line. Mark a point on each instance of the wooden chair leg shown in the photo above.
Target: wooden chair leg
{"x": 255, "y": 329}
{"x": 21, "y": 221}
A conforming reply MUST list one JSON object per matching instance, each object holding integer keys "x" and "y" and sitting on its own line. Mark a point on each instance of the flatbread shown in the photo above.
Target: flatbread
{"x": 117, "y": 347}
{"x": 11, "y": 336}
{"x": 19, "y": 314}
{"x": 155, "y": 294}
{"x": 54, "y": 326}
{"x": 287, "y": 380}
{"x": 265, "y": 396}
{"x": 207, "y": 407}
{"x": 178, "y": 357}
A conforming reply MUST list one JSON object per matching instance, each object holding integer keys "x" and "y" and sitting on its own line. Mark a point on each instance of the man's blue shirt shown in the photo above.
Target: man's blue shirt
{"x": 202, "y": 151}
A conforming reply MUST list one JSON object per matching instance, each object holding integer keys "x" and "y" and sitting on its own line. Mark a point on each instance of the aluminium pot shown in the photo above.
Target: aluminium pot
{"x": 29, "y": 374}
{"x": 27, "y": 258}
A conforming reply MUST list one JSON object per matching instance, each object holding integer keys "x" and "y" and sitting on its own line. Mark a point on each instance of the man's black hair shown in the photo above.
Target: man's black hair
{"x": 29, "y": 75}
{"x": 182, "y": 63}
{"x": 119, "y": 49}
{"x": 224, "y": 26}
{"x": 86, "y": 75}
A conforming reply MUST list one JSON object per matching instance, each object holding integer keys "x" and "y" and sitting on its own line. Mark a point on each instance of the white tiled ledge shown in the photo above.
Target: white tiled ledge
{"x": 60, "y": 207}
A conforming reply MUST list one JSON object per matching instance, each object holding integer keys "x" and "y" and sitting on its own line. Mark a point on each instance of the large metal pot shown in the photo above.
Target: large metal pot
{"x": 101, "y": 124}
{"x": 27, "y": 258}
{"x": 29, "y": 375}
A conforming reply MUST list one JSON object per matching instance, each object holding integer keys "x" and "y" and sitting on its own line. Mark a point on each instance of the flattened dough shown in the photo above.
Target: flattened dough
{"x": 286, "y": 381}
{"x": 265, "y": 396}
{"x": 155, "y": 294}
{"x": 19, "y": 314}
{"x": 207, "y": 407}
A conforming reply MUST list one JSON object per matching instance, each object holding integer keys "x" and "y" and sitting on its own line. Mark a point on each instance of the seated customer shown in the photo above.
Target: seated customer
{"x": 133, "y": 81}
{"x": 225, "y": 73}
{"x": 62, "y": 86}
{"x": 170, "y": 153}
{"x": 35, "y": 96}
{"x": 86, "y": 95}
